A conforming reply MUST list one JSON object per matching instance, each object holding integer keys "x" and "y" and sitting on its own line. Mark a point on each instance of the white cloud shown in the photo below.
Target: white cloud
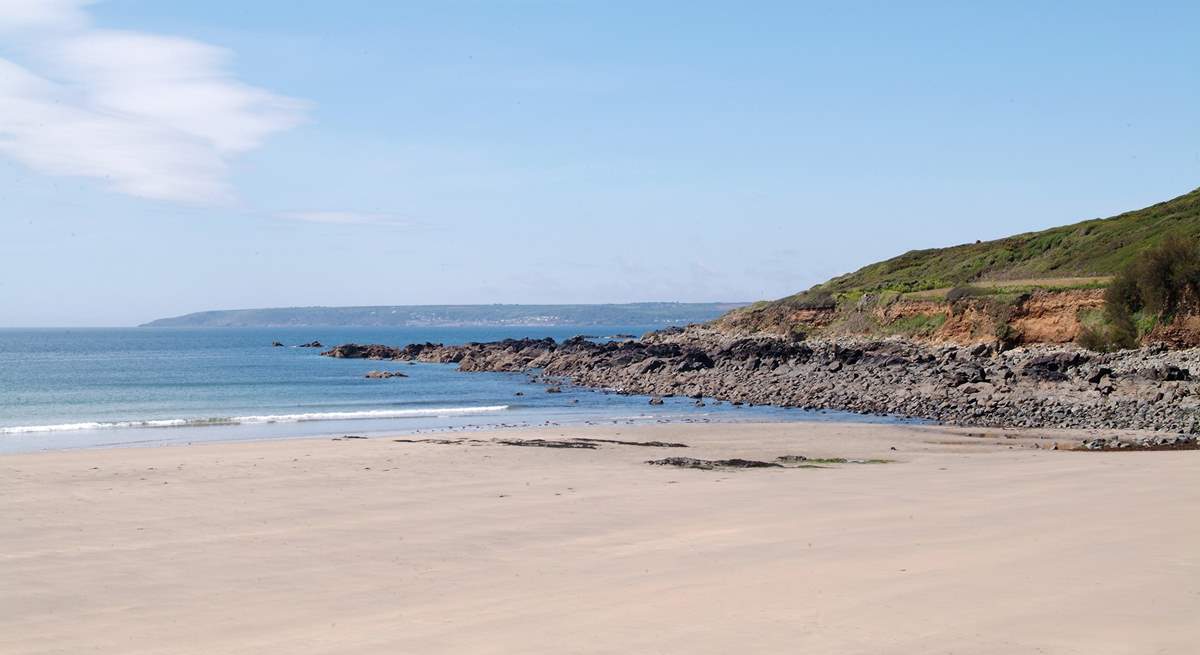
{"x": 347, "y": 218}
{"x": 17, "y": 15}
{"x": 151, "y": 116}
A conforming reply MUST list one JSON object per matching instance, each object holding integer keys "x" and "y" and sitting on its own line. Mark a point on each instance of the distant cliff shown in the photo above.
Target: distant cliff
{"x": 641, "y": 314}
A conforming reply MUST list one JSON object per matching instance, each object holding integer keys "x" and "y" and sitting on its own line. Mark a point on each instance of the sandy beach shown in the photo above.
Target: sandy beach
{"x": 969, "y": 541}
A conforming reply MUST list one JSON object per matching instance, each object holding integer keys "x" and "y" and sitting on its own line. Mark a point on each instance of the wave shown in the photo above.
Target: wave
{"x": 266, "y": 418}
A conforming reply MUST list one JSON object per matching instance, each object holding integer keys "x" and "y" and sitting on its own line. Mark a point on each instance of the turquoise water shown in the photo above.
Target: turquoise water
{"x": 67, "y": 388}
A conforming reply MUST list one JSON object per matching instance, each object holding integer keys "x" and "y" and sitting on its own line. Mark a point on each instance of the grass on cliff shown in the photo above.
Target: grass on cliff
{"x": 1081, "y": 255}
{"x": 1086, "y": 255}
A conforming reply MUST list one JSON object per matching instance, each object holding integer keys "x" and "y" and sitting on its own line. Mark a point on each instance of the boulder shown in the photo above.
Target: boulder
{"x": 383, "y": 375}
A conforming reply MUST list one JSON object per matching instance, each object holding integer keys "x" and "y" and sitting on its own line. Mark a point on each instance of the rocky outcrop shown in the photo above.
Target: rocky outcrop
{"x": 1177, "y": 442}
{"x": 1034, "y": 386}
{"x": 711, "y": 464}
{"x": 311, "y": 344}
{"x": 384, "y": 375}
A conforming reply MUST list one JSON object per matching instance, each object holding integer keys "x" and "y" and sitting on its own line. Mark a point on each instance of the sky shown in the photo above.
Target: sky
{"x": 159, "y": 158}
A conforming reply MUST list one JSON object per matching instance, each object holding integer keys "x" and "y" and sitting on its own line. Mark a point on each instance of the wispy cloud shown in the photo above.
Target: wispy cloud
{"x": 349, "y": 218}
{"x": 149, "y": 115}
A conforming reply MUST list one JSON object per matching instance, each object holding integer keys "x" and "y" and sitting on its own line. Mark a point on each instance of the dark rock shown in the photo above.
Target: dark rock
{"x": 1056, "y": 386}
{"x": 695, "y": 360}
{"x": 546, "y": 443}
{"x": 710, "y": 464}
{"x": 645, "y": 444}
{"x": 1100, "y": 373}
{"x": 1053, "y": 367}
{"x": 1166, "y": 373}
{"x": 383, "y": 375}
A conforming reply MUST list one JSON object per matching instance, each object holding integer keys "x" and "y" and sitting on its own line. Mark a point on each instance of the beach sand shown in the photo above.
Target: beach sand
{"x": 969, "y": 542}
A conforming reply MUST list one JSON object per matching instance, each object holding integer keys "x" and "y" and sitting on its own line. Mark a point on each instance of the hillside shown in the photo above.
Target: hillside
{"x": 1097, "y": 247}
{"x": 917, "y": 293}
{"x": 631, "y": 314}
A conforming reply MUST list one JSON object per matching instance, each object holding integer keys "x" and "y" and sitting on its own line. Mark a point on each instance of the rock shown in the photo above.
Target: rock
{"x": 710, "y": 464}
{"x": 355, "y": 351}
{"x": 546, "y": 443}
{"x": 967, "y": 373}
{"x": 310, "y": 344}
{"x": 383, "y": 375}
{"x": 981, "y": 350}
{"x": 695, "y": 360}
{"x": 1166, "y": 372}
{"x": 553, "y": 389}
{"x": 1057, "y": 386}
{"x": 276, "y": 344}
{"x": 1053, "y": 367}
{"x": 656, "y": 401}
{"x": 644, "y": 444}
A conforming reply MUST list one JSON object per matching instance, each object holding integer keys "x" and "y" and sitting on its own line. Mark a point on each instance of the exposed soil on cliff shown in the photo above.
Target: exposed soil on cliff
{"x": 1038, "y": 317}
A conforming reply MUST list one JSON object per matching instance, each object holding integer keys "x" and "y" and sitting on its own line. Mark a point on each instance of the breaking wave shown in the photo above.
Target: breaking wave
{"x": 266, "y": 418}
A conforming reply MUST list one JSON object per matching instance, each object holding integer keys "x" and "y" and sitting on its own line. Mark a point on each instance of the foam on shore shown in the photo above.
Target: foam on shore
{"x": 259, "y": 419}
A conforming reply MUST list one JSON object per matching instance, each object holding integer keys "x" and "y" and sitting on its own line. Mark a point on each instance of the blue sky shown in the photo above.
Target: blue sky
{"x": 160, "y": 158}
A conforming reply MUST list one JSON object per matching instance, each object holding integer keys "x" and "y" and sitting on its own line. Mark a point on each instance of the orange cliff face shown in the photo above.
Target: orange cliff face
{"x": 1041, "y": 317}
{"x": 1053, "y": 317}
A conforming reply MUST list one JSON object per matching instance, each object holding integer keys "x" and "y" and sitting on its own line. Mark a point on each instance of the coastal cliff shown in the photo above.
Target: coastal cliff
{"x": 1050, "y": 286}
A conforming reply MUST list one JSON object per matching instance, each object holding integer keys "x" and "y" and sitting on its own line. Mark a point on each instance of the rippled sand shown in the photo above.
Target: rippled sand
{"x": 969, "y": 542}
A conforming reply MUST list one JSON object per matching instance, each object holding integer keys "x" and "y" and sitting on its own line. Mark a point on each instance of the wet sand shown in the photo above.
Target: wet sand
{"x": 969, "y": 541}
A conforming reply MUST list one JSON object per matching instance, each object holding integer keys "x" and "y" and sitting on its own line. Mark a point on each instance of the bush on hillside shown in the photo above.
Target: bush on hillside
{"x": 963, "y": 292}
{"x": 817, "y": 300}
{"x": 1160, "y": 284}
{"x": 1164, "y": 281}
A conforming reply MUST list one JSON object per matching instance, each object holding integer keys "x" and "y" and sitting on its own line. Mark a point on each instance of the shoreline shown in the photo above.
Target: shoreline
{"x": 378, "y": 546}
{"x": 184, "y": 432}
{"x": 982, "y": 384}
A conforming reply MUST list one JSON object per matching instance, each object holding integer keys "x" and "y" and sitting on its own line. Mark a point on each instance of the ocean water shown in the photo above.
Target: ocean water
{"x": 73, "y": 388}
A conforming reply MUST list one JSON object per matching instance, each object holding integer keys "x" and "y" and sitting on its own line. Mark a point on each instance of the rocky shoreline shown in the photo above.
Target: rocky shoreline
{"x": 977, "y": 385}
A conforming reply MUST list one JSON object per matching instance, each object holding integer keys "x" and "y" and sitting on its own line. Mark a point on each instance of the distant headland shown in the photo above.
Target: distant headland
{"x": 645, "y": 313}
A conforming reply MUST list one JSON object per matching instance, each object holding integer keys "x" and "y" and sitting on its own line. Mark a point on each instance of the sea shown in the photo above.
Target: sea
{"x": 103, "y": 387}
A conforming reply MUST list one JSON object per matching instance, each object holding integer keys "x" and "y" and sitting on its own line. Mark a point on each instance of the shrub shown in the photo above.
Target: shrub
{"x": 1158, "y": 285}
{"x": 962, "y": 292}
{"x": 816, "y": 300}
{"x": 1093, "y": 338}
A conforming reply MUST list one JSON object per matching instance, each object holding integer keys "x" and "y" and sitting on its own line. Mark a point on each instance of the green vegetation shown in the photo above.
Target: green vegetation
{"x": 917, "y": 325}
{"x": 1158, "y": 285}
{"x": 1098, "y": 247}
{"x": 1002, "y": 273}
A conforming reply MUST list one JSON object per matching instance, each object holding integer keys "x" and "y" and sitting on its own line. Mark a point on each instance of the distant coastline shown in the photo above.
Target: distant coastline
{"x": 648, "y": 313}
